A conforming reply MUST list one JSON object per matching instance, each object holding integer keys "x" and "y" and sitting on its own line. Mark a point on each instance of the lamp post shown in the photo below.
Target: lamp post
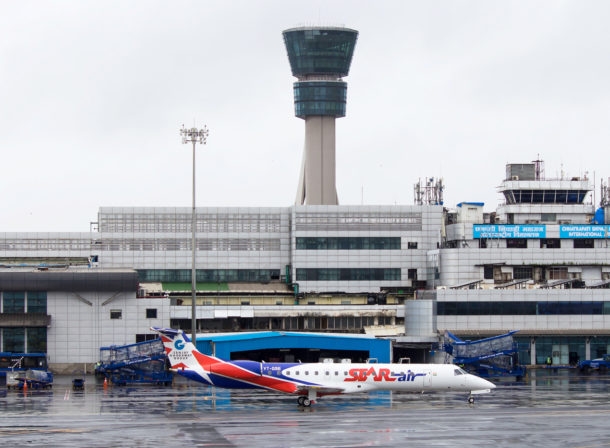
{"x": 194, "y": 135}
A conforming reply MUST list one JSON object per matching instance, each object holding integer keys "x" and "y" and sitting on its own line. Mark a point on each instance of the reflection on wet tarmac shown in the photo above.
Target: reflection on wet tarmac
{"x": 550, "y": 408}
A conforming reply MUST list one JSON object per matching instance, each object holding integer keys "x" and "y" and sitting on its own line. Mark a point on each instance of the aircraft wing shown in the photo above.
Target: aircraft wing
{"x": 320, "y": 390}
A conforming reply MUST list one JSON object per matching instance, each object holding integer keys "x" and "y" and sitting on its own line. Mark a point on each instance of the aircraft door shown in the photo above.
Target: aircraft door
{"x": 427, "y": 379}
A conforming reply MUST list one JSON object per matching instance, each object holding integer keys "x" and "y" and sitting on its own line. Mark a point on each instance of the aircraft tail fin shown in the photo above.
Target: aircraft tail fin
{"x": 180, "y": 350}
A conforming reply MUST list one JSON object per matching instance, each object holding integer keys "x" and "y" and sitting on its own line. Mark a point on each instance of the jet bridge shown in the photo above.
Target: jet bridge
{"x": 496, "y": 356}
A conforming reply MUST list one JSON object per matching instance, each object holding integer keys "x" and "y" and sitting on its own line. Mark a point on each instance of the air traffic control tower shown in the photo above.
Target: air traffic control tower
{"x": 319, "y": 57}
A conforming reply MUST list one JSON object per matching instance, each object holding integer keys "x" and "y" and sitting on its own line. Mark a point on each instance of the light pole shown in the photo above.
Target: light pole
{"x": 194, "y": 135}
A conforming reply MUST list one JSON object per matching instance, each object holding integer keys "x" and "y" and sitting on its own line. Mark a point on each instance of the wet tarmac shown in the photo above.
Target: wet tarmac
{"x": 549, "y": 409}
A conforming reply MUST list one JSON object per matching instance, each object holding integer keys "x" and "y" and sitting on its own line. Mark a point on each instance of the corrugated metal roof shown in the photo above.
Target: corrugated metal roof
{"x": 226, "y": 343}
{"x": 219, "y": 337}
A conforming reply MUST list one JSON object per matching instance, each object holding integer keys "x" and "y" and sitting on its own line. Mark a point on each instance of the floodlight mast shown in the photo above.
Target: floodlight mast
{"x": 194, "y": 135}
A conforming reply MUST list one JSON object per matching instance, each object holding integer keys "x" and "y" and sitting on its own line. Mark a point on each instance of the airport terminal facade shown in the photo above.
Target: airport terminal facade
{"x": 312, "y": 268}
{"x": 539, "y": 263}
{"x": 348, "y": 269}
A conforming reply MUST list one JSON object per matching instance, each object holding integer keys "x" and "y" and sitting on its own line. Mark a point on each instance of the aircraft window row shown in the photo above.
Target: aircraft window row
{"x": 306, "y": 372}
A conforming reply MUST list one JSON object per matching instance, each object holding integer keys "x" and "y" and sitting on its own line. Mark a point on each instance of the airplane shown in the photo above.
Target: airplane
{"x": 312, "y": 380}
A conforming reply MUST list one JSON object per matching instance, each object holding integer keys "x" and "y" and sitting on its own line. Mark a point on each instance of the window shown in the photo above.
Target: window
{"x": 550, "y": 243}
{"x": 516, "y": 243}
{"x": 37, "y": 339}
{"x": 208, "y": 275}
{"x": 151, "y": 313}
{"x": 13, "y": 302}
{"x": 37, "y": 302}
{"x": 412, "y": 245}
{"x": 347, "y": 274}
{"x": 557, "y": 273}
{"x": 488, "y": 272}
{"x": 116, "y": 314}
{"x": 141, "y": 337}
{"x": 584, "y": 244}
{"x": 348, "y": 243}
{"x": 523, "y": 272}
{"x": 13, "y": 339}
{"x": 485, "y": 308}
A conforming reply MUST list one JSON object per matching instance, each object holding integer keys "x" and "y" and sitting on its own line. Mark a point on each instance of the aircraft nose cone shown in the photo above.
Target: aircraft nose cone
{"x": 484, "y": 384}
{"x": 477, "y": 383}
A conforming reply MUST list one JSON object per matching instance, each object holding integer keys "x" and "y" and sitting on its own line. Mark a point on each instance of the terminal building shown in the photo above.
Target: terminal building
{"x": 539, "y": 263}
{"x": 542, "y": 268}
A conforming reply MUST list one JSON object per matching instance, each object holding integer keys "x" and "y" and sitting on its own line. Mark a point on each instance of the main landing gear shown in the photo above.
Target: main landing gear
{"x": 304, "y": 401}
{"x": 309, "y": 399}
{"x": 471, "y": 399}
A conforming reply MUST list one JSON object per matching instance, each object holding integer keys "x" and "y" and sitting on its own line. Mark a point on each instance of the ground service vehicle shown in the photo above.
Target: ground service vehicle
{"x": 602, "y": 364}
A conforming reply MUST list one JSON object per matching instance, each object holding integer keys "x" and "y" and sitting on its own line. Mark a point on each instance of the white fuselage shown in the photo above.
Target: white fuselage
{"x": 366, "y": 377}
{"x": 315, "y": 379}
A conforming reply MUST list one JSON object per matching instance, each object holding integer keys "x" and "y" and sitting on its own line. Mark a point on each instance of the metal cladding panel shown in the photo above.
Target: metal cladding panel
{"x": 521, "y": 171}
{"x": 420, "y": 318}
{"x": 69, "y": 281}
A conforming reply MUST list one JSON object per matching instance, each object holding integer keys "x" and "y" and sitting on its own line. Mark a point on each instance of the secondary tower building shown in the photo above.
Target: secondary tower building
{"x": 319, "y": 57}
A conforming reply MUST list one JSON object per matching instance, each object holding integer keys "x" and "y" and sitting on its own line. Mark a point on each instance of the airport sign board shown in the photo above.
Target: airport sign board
{"x": 537, "y": 231}
{"x": 509, "y": 231}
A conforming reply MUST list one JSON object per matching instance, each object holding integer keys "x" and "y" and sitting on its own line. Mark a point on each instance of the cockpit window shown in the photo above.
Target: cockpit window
{"x": 458, "y": 371}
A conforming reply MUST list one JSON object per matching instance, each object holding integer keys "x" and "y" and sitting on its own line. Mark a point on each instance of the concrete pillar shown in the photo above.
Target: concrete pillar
{"x": 533, "y": 351}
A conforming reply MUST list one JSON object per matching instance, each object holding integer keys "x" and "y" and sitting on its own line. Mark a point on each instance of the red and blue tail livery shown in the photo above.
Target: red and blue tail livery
{"x": 312, "y": 380}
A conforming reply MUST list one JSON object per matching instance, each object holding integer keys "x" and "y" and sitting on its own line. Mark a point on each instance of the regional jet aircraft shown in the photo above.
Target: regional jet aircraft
{"x": 312, "y": 380}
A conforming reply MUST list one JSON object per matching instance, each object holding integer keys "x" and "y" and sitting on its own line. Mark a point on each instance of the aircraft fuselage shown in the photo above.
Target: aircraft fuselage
{"x": 348, "y": 377}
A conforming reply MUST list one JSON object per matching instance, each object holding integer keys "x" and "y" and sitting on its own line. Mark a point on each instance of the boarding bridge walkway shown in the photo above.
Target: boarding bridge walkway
{"x": 493, "y": 356}
{"x": 142, "y": 362}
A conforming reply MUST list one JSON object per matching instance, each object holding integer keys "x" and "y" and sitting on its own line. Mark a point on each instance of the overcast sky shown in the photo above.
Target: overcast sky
{"x": 93, "y": 94}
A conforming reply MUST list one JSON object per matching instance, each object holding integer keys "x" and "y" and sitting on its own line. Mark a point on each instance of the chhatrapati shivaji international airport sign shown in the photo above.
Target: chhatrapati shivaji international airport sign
{"x": 572, "y": 231}
{"x": 583, "y": 231}
{"x": 509, "y": 231}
